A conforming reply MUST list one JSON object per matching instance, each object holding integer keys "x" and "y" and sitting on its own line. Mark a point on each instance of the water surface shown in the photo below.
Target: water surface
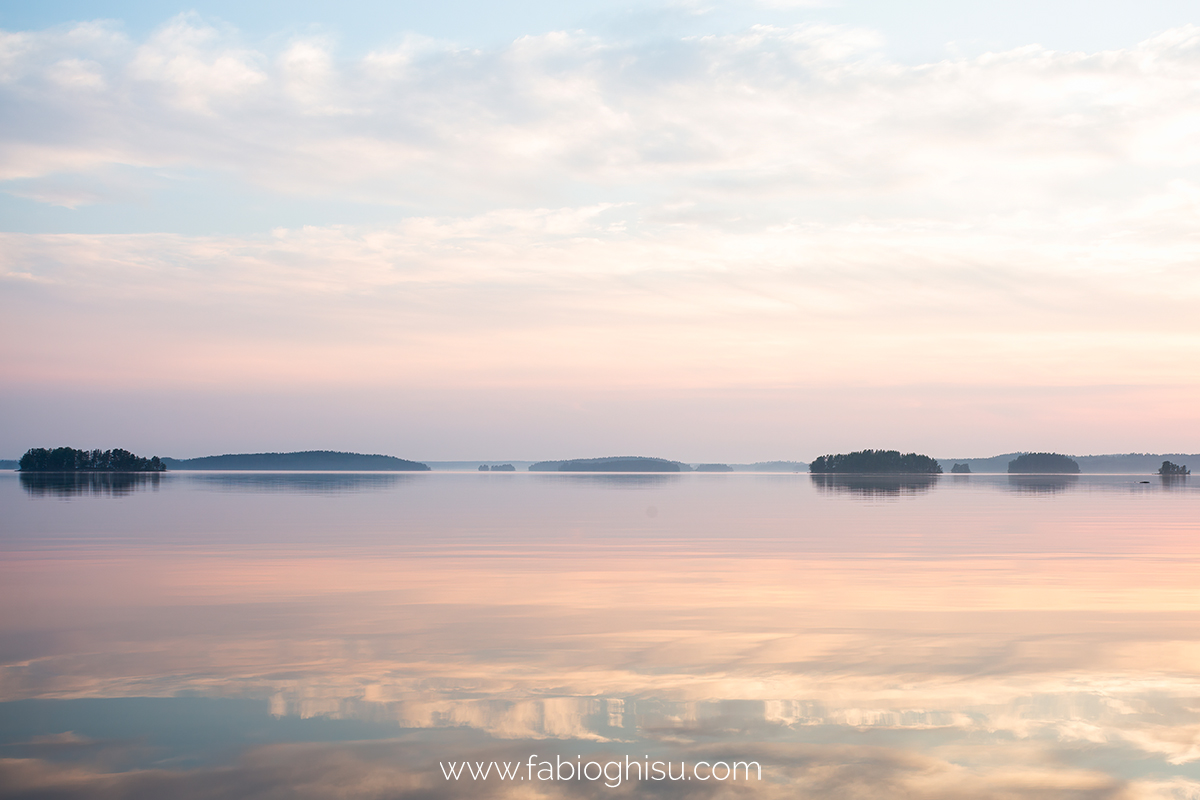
{"x": 303, "y": 634}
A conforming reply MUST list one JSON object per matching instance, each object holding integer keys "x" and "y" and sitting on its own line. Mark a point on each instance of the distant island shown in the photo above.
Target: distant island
{"x": 1112, "y": 463}
{"x": 497, "y": 468}
{"x": 611, "y": 464}
{"x": 775, "y": 466}
{"x": 1054, "y": 463}
{"x": 713, "y": 468}
{"x": 68, "y": 459}
{"x": 876, "y": 462}
{"x": 1168, "y": 468}
{"x": 314, "y": 460}
{"x": 961, "y": 469}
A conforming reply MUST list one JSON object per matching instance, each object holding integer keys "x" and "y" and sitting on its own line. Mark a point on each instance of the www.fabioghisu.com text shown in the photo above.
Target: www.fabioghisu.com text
{"x": 611, "y": 773}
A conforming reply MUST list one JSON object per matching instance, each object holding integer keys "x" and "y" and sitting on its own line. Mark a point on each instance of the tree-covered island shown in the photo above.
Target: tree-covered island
{"x": 1170, "y": 469}
{"x": 877, "y": 462}
{"x": 1054, "y": 463}
{"x": 611, "y": 464}
{"x": 305, "y": 460}
{"x": 68, "y": 459}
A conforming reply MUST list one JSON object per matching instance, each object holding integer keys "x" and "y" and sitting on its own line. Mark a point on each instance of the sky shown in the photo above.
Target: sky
{"x": 702, "y": 231}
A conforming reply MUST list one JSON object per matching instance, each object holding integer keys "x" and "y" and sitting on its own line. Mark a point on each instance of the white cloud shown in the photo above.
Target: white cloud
{"x": 544, "y": 295}
{"x": 766, "y": 123}
{"x": 773, "y": 207}
{"x": 194, "y": 67}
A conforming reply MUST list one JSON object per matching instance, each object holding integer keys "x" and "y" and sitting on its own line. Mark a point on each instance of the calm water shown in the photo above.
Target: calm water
{"x": 317, "y": 635}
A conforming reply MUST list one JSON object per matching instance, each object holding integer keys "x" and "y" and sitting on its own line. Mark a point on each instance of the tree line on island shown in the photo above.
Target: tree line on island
{"x": 313, "y": 460}
{"x": 879, "y": 462}
{"x": 1053, "y": 463}
{"x": 68, "y": 459}
{"x": 611, "y": 464}
{"x": 892, "y": 462}
{"x": 884, "y": 462}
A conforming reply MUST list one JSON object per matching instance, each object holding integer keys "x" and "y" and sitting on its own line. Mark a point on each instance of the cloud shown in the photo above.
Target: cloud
{"x": 757, "y": 124}
{"x": 773, "y": 207}
{"x": 550, "y": 293}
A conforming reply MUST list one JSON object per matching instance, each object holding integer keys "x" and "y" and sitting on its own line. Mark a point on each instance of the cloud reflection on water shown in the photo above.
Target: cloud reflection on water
{"x": 407, "y": 768}
{"x": 1079, "y": 651}
{"x": 1052, "y": 657}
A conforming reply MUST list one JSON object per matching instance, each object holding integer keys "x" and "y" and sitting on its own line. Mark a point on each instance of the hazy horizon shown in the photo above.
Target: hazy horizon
{"x": 730, "y": 231}
{"x": 945, "y": 461}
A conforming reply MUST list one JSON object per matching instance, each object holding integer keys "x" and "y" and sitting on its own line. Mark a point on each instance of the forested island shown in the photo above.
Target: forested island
{"x": 68, "y": 459}
{"x": 1169, "y": 469}
{"x": 713, "y": 468}
{"x": 314, "y": 460}
{"x": 1112, "y": 463}
{"x": 611, "y": 464}
{"x": 1054, "y": 463}
{"x": 961, "y": 469}
{"x": 876, "y": 462}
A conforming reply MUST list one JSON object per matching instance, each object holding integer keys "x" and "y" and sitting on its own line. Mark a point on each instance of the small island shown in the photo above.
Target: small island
{"x": 876, "y": 462}
{"x": 68, "y": 459}
{"x": 1051, "y": 463}
{"x": 713, "y": 468}
{"x": 961, "y": 469}
{"x": 497, "y": 468}
{"x": 1173, "y": 470}
{"x": 611, "y": 464}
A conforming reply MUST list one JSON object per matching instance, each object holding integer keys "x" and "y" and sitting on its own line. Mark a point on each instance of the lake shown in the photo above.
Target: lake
{"x": 271, "y": 635}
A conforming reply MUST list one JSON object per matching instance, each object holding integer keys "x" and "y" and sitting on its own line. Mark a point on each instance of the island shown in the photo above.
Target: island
{"x": 68, "y": 459}
{"x": 777, "y": 466}
{"x": 611, "y": 464}
{"x": 961, "y": 469}
{"x": 497, "y": 468}
{"x": 713, "y": 468}
{"x": 876, "y": 462}
{"x": 1172, "y": 470}
{"x": 311, "y": 460}
{"x": 1051, "y": 463}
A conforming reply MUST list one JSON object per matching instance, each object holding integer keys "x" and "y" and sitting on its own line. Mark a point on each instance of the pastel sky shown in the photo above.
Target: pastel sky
{"x": 706, "y": 231}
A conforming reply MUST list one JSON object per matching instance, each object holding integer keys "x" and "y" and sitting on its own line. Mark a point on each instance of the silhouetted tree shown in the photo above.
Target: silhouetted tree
{"x": 68, "y": 459}
{"x": 1044, "y": 462}
{"x": 878, "y": 462}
